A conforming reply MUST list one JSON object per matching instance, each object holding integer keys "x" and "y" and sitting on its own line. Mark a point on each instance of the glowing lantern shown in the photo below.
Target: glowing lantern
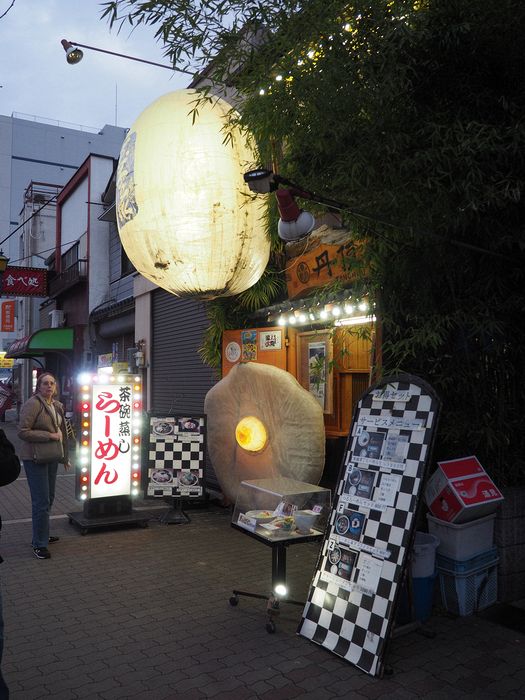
{"x": 250, "y": 434}
{"x": 184, "y": 213}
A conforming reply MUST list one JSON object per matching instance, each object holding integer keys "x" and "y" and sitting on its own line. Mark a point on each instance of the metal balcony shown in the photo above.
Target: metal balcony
{"x": 74, "y": 274}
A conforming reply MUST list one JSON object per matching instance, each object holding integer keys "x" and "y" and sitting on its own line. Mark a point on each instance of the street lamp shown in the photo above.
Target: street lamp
{"x": 74, "y": 55}
{"x": 4, "y": 260}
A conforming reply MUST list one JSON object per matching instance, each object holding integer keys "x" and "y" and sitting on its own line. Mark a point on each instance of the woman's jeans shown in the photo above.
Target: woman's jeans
{"x": 41, "y": 479}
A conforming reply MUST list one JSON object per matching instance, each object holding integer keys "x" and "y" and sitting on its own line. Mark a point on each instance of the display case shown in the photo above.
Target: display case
{"x": 281, "y": 509}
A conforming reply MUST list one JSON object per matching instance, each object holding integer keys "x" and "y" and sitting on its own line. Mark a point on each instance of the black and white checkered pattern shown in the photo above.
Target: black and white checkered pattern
{"x": 352, "y": 600}
{"x": 176, "y": 455}
{"x": 181, "y": 452}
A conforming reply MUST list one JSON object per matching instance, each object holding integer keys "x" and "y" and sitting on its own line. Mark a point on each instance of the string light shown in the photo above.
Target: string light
{"x": 342, "y": 313}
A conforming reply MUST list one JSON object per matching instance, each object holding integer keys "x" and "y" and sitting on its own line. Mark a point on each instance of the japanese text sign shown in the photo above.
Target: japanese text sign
{"x": 24, "y": 281}
{"x": 319, "y": 266}
{"x": 8, "y": 316}
{"x": 110, "y": 445}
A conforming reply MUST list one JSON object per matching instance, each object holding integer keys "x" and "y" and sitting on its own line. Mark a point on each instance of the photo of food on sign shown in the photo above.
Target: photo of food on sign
{"x": 161, "y": 476}
{"x": 187, "y": 478}
{"x": 359, "y": 482}
{"x": 162, "y": 427}
{"x": 340, "y": 562}
{"x": 350, "y": 523}
{"x": 370, "y": 444}
{"x": 189, "y": 425}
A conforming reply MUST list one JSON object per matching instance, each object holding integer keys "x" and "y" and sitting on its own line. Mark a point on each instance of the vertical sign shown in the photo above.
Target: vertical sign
{"x": 8, "y": 316}
{"x": 351, "y": 605}
{"x": 110, "y": 443}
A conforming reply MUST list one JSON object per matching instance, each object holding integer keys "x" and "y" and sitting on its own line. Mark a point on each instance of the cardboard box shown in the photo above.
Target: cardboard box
{"x": 460, "y": 490}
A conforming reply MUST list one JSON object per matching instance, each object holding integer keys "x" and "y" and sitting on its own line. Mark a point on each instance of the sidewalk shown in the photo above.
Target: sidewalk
{"x": 144, "y": 613}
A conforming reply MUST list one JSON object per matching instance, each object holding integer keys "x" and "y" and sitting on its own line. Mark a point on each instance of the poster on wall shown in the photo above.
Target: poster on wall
{"x": 249, "y": 346}
{"x": 351, "y": 605}
{"x": 177, "y": 447}
{"x": 314, "y": 366}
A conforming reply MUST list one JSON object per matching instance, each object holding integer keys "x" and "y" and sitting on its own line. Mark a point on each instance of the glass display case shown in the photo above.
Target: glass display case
{"x": 280, "y": 509}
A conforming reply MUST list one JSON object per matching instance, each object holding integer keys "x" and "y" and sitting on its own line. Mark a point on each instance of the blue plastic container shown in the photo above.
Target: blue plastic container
{"x": 423, "y": 595}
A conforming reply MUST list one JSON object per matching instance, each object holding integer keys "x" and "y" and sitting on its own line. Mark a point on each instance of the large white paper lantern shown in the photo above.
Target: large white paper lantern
{"x": 184, "y": 213}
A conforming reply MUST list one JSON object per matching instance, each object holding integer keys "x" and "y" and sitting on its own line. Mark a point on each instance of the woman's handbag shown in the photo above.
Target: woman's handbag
{"x": 44, "y": 452}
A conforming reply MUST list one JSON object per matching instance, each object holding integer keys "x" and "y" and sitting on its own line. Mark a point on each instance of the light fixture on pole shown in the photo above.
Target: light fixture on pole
{"x": 4, "y": 260}
{"x": 294, "y": 223}
{"x": 74, "y": 55}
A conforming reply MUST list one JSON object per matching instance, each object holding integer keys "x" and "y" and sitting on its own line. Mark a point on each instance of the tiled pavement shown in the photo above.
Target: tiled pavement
{"x": 144, "y": 613}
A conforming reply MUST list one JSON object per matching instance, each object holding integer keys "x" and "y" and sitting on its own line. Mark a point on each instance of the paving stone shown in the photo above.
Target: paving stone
{"x": 144, "y": 613}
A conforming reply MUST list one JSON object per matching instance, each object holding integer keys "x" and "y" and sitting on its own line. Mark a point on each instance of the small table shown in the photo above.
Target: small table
{"x": 278, "y": 542}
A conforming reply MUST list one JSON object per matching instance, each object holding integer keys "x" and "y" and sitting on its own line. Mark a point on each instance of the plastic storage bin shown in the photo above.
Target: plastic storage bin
{"x": 464, "y": 566}
{"x": 465, "y": 590}
{"x": 424, "y": 555}
{"x": 465, "y": 540}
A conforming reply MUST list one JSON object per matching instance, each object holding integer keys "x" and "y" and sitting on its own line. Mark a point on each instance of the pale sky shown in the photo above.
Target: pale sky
{"x": 37, "y": 81}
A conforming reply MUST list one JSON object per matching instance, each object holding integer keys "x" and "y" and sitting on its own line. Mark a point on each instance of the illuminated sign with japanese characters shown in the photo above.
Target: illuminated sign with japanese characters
{"x": 110, "y": 437}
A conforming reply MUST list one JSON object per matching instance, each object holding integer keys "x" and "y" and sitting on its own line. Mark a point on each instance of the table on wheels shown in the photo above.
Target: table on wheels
{"x": 278, "y": 544}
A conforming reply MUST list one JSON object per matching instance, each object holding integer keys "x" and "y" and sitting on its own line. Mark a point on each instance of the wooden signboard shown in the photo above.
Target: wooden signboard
{"x": 317, "y": 267}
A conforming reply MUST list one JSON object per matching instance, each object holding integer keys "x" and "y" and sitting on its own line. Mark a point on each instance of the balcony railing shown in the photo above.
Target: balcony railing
{"x": 74, "y": 274}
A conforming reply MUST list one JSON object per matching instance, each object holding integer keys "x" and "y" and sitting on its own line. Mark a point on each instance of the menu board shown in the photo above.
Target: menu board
{"x": 177, "y": 448}
{"x": 351, "y": 604}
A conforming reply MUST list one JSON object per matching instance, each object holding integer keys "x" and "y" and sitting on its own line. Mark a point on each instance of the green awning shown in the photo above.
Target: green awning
{"x": 40, "y": 342}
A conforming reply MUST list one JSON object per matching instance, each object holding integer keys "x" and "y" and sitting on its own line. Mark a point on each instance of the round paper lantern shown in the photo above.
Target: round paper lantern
{"x": 184, "y": 213}
{"x": 291, "y": 417}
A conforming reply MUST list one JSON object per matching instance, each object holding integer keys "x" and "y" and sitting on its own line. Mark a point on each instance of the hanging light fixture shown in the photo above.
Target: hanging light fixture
{"x": 295, "y": 223}
{"x": 73, "y": 53}
{"x": 4, "y": 260}
{"x": 184, "y": 213}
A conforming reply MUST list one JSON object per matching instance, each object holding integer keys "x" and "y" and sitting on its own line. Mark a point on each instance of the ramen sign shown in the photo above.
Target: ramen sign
{"x": 110, "y": 443}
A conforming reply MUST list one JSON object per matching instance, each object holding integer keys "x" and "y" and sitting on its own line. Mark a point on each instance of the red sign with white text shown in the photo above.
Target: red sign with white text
{"x": 24, "y": 282}
{"x": 8, "y": 316}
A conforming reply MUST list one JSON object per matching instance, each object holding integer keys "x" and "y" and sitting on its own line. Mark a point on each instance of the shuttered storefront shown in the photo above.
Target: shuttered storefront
{"x": 179, "y": 379}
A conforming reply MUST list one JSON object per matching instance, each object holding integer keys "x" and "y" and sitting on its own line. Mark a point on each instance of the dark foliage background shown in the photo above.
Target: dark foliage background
{"x": 412, "y": 112}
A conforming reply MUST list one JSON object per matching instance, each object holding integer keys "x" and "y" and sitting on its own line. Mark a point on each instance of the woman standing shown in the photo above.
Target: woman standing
{"x": 42, "y": 428}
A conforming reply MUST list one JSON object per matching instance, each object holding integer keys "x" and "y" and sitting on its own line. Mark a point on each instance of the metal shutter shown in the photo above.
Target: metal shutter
{"x": 179, "y": 379}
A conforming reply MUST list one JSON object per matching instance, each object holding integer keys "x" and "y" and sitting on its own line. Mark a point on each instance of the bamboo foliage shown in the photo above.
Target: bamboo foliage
{"x": 412, "y": 113}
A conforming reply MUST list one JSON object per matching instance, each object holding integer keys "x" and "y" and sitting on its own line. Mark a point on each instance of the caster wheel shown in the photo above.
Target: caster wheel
{"x": 70, "y": 520}
{"x": 270, "y": 627}
{"x": 83, "y": 531}
{"x": 234, "y": 600}
{"x": 143, "y": 525}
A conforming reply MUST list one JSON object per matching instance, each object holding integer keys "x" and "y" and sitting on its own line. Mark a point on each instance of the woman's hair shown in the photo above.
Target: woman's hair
{"x": 40, "y": 380}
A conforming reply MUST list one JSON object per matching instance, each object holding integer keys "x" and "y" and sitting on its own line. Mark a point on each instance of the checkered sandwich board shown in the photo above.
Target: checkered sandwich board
{"x": 176, "y": 456}
{"x": 352, "y": 601}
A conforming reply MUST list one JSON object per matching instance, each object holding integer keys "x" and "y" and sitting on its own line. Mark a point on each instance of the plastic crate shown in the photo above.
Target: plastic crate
{"x": 465, "y": 566}
{"x": 465, "y": 594}
{"x": 465, "y": 540}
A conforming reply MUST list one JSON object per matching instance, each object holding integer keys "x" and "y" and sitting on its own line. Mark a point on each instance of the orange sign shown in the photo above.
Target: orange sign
{"x": 8, "y": 316}
{"x": 319, "y": 267}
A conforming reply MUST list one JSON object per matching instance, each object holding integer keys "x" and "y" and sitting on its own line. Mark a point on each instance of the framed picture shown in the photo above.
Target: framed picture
{"x": 314, "y": 366}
